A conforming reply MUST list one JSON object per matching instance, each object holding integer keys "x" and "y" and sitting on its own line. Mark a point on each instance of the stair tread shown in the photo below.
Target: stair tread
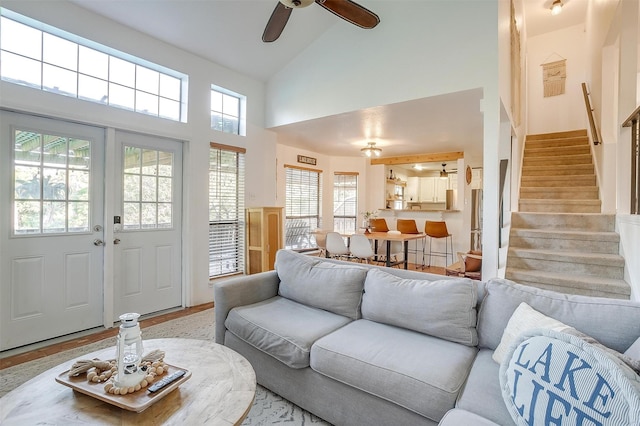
{"x": 555, "y": 201}
{"x": 574, "y": 280}
{"x": 557, "y": 234}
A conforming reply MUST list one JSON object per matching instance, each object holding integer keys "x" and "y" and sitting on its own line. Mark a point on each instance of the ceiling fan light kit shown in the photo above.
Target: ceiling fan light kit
{"x": 443, "y": 173}
{"x": 556, "y": 7}
{"x": 348, "y": 10}
{"x": 371, "y": 150}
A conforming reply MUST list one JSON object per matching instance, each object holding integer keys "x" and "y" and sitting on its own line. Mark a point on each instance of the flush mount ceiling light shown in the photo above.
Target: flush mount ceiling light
{"x": 443, "y": 173}
{"x": 371, "y": 150}
{"x": 556, "y": 7}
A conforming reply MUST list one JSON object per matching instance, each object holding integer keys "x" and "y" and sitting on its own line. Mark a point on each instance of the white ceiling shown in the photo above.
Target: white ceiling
{"x": 228, "y": 32}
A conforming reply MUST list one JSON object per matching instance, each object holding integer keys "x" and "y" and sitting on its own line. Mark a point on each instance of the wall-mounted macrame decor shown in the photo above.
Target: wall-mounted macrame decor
{"x": 554, "y": 75}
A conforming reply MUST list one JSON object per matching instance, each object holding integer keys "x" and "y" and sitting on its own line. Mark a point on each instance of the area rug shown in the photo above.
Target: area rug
{"x": 268, "y": 407}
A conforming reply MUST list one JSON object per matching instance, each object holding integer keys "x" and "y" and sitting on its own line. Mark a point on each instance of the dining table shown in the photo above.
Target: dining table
{"x": 390, "y": 237}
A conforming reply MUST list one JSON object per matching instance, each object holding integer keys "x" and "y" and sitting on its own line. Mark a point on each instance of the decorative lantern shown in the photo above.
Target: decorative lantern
{"x": 129, "y": 352}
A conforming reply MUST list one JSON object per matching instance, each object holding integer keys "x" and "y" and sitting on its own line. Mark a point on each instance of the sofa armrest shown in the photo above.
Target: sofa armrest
{"x": 240, "y": 291}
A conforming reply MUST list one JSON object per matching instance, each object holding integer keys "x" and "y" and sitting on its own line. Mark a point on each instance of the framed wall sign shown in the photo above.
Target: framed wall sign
{"x": 306, "y": 160}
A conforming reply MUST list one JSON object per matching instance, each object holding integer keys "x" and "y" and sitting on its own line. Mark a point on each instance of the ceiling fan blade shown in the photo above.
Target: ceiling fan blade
{"x": 277, "y": 22}
{"x": 351, "y": 12}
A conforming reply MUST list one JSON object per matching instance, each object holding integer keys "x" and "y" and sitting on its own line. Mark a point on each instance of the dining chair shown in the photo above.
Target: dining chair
{"x": 438, "y": 230}
{"x": 336, "y": 247}
{"x": 360, "y": 248}
{"x": 321, "y": 241}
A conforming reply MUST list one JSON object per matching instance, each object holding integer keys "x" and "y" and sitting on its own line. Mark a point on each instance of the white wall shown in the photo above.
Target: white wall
{"x": 566, "y": 111}
{"x": 409, "y": 56}
{"x": 196, "y": 134}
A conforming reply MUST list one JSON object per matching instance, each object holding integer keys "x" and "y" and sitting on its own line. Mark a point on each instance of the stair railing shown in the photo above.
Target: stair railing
{"x": 595, "y": 134}
{"x": 634, "y": 122}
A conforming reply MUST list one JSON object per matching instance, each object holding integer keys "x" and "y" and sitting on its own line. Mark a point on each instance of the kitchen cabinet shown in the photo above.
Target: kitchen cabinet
{"x": 433, "y": 189}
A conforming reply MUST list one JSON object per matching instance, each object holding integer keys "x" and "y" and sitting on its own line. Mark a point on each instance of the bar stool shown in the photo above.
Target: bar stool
{"x": 408, "y": 226}
{"x": 378, "y": 225}
{"x": 438, "y": 230}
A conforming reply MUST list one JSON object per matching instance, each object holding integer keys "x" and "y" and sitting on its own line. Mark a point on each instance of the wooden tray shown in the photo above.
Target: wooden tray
{"x": 137, "y": 401}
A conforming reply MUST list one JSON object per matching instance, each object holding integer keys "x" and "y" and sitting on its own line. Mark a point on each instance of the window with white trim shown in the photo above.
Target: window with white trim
{"x": 226, "y": 110}
{"x": 302, "y": 206}
{"x": 43, "y": 57}
{"x": 226, "y": 210}
{"x": 345, "y": 202}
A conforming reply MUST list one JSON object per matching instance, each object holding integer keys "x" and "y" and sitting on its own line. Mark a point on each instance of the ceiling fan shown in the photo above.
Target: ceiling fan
{"x": 346, "y": 9}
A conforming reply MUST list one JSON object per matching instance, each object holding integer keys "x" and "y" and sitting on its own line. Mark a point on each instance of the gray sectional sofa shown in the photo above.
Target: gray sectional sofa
{"x": 365, "y": 345}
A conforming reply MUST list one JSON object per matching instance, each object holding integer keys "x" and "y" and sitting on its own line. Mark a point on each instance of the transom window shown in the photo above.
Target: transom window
{"x": 226, "y": 111}
{"x": 303, "y": 206}
{"x": 345, "y": 202}
{"x": 50, "y": 61}
{"x": 50, "y": 183}
{"x": 147, "y": 192}
{"x": 226, "y": 210}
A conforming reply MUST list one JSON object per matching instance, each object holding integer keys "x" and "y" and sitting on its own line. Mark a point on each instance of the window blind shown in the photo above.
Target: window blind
{"x": 302, "y": 206}
{"x": 345, "y": 202}
{"x": 226, "y": 210}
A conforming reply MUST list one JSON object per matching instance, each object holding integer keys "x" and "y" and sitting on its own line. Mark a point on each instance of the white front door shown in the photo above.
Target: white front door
{"x": 51, "y": 228}
{"x": 147, "y": 249}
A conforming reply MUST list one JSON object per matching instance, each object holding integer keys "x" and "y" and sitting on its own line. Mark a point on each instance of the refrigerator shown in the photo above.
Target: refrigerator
{"x": 476, "y": 219}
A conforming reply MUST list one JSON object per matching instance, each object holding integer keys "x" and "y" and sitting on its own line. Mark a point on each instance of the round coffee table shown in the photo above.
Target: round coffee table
{"x": 220, "y": 391}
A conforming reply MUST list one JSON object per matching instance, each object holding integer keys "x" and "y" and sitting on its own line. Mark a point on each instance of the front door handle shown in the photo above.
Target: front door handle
{"x": 116, "y": 241}
{"x": 98, "y": 242}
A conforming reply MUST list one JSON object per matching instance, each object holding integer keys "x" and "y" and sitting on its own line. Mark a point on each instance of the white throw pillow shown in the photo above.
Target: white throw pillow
{"x": 524, "y": 318}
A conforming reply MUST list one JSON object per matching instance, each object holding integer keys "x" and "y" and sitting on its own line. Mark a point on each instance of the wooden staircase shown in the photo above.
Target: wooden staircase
{"x": 559, "y": 240}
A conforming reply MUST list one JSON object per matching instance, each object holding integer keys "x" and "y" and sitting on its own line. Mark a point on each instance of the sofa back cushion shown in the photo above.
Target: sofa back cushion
{"x": 443, "y": 308}
{"x": 613, "y": 322}
{"x": 309, "y": 280}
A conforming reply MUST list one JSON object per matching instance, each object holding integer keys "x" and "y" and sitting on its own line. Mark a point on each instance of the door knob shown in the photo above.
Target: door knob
{"x": 116, "y": 241}
{"x": 98, "y": 242}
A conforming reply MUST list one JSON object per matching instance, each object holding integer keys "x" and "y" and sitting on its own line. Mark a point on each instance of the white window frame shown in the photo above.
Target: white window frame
{"x": 345, "y": 202}
{"x": 238, "y": 114}
{"x": 164, "y": 100}
{"x": 226, "y": 211}
{"x": 303, "y": 206}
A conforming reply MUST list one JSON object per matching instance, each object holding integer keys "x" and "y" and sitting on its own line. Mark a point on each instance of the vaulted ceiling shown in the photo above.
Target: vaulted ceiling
{"x": 228, "y": 32}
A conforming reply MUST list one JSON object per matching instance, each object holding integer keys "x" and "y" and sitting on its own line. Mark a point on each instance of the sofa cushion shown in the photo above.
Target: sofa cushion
{"x": 419, "y": 372}
{"x": 283, "y": 328}
{"x": 634, "y": 350}
{"x": 595, "y": 316}
{"x": 443, "y": 308}
{"x": 551, "y": 377}
{"x": 311, "y": 281}
{"x": 458, "y": 417}
{"x": 482, "y": 393}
